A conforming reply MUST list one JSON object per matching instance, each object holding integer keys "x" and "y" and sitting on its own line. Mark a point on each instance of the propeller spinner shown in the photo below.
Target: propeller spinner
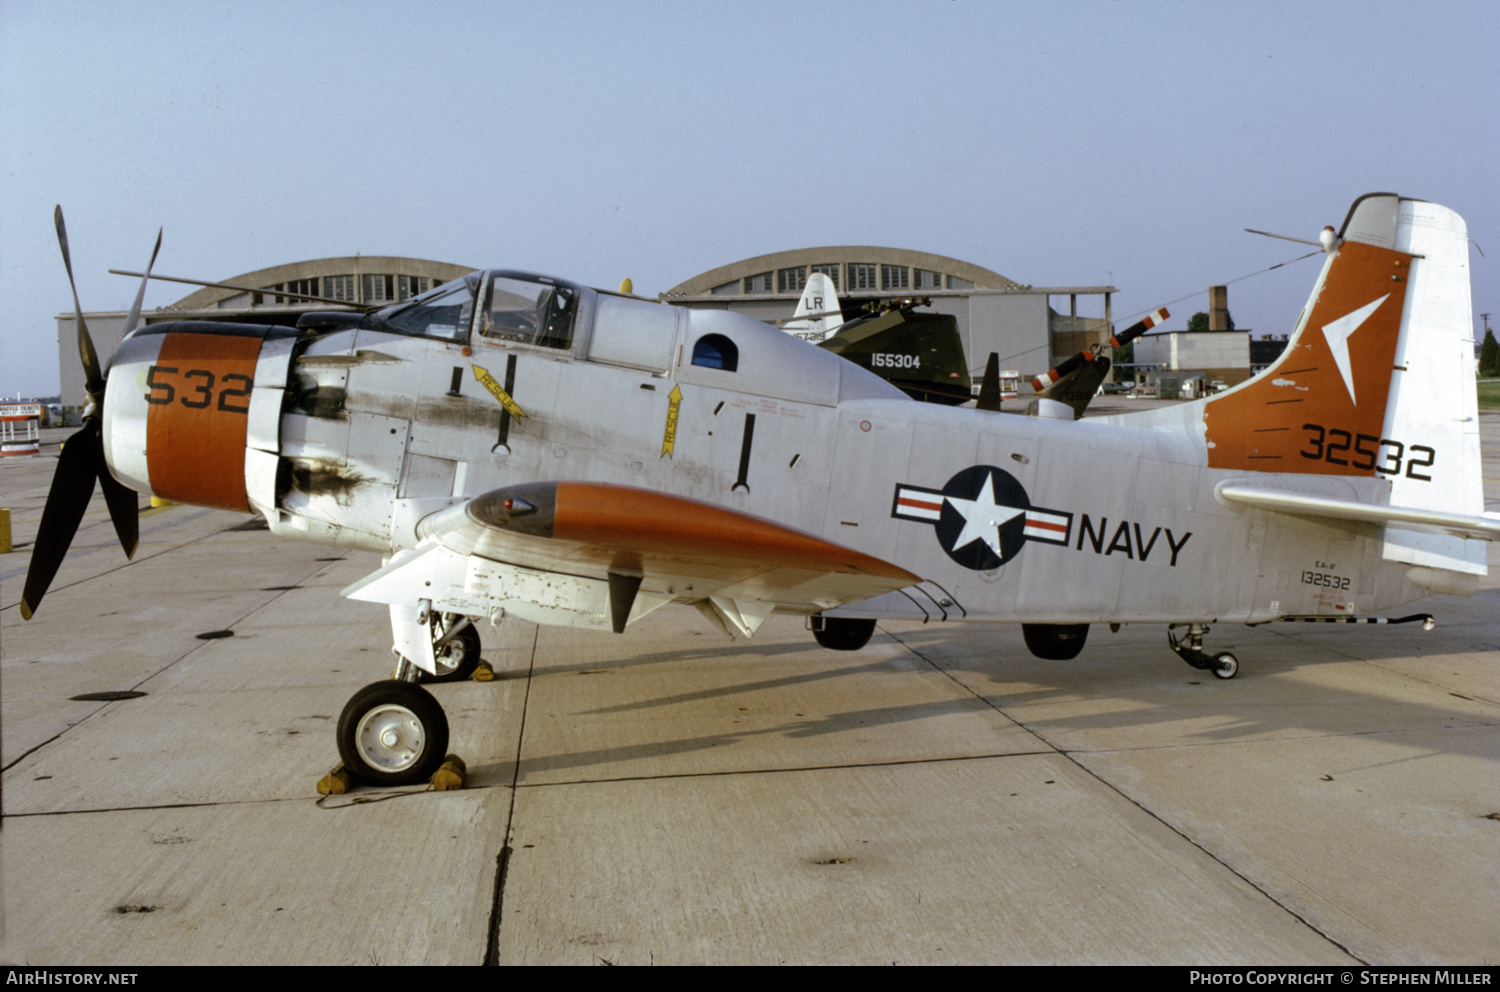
{"x": 81, "y": 460}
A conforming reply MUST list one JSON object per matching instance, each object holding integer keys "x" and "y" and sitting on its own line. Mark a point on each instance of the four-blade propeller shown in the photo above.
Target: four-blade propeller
{"x": 81, "y": 460}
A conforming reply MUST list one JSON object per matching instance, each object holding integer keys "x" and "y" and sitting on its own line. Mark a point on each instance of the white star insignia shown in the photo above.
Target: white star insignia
{"x": 982, "y": 517}
{"x": 1337, "y": 335}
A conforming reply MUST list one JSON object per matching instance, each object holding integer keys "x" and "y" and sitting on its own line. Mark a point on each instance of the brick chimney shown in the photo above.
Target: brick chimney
{"x": 1218, "y": 308}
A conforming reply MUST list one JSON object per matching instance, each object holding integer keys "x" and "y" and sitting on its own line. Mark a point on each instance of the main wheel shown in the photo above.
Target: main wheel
{"x": 457, "y": 659}
{"x": 841, "y": 634}
{"x": 1055, "y": 641}
{"x": 392, "y": 733}
{"x": 1226, "y": 667}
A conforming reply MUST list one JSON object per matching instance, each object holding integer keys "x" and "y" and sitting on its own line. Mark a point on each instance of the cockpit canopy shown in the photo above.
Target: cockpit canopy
{"x": 513, "y": 307}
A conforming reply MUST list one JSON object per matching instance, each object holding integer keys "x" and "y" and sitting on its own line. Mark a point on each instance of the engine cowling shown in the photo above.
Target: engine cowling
{"x": 192, "y": 412}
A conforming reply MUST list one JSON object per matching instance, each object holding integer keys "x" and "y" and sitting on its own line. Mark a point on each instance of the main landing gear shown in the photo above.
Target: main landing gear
{"x": 394, "y": 732}
{"x": 841, "y": 633}
{"x": 455, "y": 642}
{"x": 1190, "y": 650}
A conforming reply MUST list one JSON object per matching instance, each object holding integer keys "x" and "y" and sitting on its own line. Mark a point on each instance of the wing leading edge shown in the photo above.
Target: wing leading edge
{"x": 589, "y": 554}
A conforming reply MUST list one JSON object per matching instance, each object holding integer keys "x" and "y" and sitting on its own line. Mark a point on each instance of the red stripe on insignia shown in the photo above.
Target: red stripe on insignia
{"x": 1046, "y": 525}
{"x": 919, "y": 504}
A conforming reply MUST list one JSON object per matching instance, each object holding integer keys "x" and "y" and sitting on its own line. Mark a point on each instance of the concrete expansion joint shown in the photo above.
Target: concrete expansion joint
{"x": 502, "y": 860}
{"x": 893, "y": 763}
{"x": 1215, "y": 858}
{"x": 1071, "y": 756}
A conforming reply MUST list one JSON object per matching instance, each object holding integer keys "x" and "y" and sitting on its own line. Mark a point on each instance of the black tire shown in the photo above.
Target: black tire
{"x": 840, "y": 634}
{"x": 1055, "y": 641}
{"x": 392, "y": 733}
{"x": 457, "y": 659}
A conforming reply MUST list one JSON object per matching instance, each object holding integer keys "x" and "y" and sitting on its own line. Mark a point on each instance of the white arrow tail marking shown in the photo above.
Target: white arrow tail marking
{"x": 1337, "y": 335}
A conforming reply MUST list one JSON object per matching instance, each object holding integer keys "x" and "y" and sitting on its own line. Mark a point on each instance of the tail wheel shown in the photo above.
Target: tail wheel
{"x": 1226, "y": 666}
{"x": 392, "y": 733}
{"x": 841, "y": 634}
{"x": 457, "y": 659}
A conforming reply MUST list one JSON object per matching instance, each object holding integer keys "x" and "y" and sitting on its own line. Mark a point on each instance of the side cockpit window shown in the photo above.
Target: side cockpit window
{"x": 715, "y": 351}
{"x": 529, "y": 312}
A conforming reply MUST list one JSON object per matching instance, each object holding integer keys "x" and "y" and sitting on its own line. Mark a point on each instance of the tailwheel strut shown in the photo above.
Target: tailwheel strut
{"x": 1190, "y": 649}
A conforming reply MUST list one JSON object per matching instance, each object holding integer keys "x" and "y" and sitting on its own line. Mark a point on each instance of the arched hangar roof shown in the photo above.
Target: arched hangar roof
{"x": 360, "y": 278}
{"x": 854, "y": 268}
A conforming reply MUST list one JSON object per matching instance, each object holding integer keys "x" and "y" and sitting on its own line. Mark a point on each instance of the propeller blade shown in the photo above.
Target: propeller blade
{"x": 124, "y": 507}
{"x": 124, "y": 504}
{"x": 93, "y": 373}
{"x": 140, "y": 294}
{"x": 72, "y": 488}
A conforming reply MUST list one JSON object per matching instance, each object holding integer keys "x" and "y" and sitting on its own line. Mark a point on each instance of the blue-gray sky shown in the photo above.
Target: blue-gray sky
{"x": 1077, "y": 142}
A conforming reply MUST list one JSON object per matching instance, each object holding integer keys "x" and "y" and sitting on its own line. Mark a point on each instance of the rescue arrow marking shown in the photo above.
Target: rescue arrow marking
{"x": 669, "y": 433}
{"x": 497, "y": 391}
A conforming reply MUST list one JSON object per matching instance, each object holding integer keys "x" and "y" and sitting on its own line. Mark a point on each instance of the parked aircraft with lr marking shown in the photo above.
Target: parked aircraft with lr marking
{"x": 522, "y": 446}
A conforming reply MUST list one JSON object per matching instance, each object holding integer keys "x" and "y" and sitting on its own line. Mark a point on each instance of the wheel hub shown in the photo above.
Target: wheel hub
{"x": 450, "y": 656}
{"x": 390, "y": 738}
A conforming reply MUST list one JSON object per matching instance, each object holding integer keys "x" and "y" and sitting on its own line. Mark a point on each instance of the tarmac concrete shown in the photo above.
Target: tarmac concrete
{"x": 667, "y": 796}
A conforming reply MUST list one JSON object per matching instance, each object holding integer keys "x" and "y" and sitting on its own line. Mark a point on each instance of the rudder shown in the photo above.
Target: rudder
{"x": 1433, "y": 409}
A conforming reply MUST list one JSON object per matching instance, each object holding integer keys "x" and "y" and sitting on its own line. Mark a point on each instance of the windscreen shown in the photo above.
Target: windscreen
{"x": 442, "y": 312}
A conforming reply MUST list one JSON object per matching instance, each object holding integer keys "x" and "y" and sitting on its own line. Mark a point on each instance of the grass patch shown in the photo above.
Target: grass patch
{"x": 1489, "y": 396}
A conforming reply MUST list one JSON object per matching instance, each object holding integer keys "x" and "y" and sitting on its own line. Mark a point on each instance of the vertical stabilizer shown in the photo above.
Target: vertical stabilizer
{"x": 1378, "y": 380}
{"x": 818, "y": 312}
{"x": 1320, "y": 409}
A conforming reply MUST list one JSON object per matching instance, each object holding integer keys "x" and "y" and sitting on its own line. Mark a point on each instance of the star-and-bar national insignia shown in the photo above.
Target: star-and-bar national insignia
{"x": 982, "y": 517}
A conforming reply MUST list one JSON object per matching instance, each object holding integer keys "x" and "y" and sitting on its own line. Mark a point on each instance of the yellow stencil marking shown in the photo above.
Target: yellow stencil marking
{"x": 498, "y": 391}
{"x": 669, "y": 435}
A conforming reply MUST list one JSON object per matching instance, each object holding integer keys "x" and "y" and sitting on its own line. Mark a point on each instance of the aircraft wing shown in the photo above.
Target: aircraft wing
{"x": 588, "y": 554}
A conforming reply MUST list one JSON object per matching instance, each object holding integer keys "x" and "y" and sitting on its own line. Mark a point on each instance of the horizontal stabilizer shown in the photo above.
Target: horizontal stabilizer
{"x": 1484, "y": 528}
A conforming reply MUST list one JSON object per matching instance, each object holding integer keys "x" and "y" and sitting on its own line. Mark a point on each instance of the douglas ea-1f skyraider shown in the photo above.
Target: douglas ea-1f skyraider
{"x": 521, "y": 446}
